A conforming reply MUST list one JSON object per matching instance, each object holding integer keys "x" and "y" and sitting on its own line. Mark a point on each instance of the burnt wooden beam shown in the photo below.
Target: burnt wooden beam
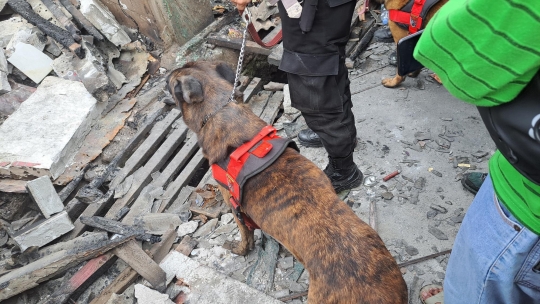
{"x": 54, "y": 7}
{"x": 31, "y": 275}
{"x": 367, "y": 35}
{"x": 119, "y": 228}
{"x": 62, "y": 36}
{"x": 81, "y": 20}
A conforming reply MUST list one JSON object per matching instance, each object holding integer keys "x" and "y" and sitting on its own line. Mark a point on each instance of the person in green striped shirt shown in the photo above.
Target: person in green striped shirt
{"x": 486, "y": 52}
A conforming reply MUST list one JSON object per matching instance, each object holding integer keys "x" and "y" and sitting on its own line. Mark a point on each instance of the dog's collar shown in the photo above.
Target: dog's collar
{"x": 207, "y": 117}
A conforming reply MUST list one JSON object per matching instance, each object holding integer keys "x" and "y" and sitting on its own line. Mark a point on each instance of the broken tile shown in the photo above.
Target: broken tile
{"x": 62, "y": 113}
{"x": 44, "y": 195}
{"x": 31, "y": 61}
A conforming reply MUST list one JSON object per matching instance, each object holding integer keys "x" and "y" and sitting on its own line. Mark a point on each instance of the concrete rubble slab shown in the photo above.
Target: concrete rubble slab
{"x": 4, "y": 83}
{"x": 207, "y": 285}
{"x": 44, "y": 195}
{"x": 44, "y": 134}
{"x": 2, "y": 4}
{"x": 100, "y": 16}
{"x": 9, "y": 27}
{"x": 44, "y": 232}
{"x": 31, "y": 61}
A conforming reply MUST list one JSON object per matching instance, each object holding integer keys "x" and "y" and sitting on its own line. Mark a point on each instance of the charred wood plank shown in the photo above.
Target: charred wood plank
{"x": 272, "y": 108}
{"x": 144, "y": 175}
{"x": 147, "y": 148}
{"x": 119, "y": 228}
{"x": 81, "y": 20}
{"x": 33, "y": 274}
{"x": 62, "y": 36}
{"x": 136, "y": 258}
{"x": 129, "y": 275}
{"x": 54, "y": 7}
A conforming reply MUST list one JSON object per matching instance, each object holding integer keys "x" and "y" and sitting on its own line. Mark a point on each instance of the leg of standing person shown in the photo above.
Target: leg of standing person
{"x": 319, "y": 83}
{"x": 495, "y": 259}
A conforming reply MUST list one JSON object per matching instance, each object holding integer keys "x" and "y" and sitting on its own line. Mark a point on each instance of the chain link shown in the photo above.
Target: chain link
{"x": 241, "y": 56}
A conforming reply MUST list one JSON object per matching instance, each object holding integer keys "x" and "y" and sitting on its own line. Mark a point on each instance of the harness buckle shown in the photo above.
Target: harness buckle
{"x": 413, "y": 20}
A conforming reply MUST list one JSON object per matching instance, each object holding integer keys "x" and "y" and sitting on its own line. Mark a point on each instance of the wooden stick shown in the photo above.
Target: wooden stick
{"x": 427, "y": 257}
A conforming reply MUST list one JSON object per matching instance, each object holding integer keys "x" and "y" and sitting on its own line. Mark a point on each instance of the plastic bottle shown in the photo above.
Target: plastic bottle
{"x": 384, "y": 15}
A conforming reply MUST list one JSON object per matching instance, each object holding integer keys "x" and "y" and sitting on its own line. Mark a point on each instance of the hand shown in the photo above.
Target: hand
{"x": 241, "y": 4}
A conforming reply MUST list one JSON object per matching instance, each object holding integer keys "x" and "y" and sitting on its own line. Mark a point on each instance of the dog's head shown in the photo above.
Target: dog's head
{"x": 201, "y": 88}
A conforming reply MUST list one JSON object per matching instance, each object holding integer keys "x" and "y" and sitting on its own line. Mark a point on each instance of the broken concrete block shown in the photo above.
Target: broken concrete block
{"x": 146, "y": 295}
{"x": 31, "y": 36}
{"x": 31, "y": 61}
{"x": 4, "y": 83}
{"x": 159, "y": 223}
{"x": 100, "y": 16}
{"x": 2, "y": 4}
{"x": 44, "y": 232}
{"x": 43, "y": 135}
{"x": 207, "y": 285}
{"x": 44, "y": 195}
{"x": 9, "y": 27}
{"x": 89, "y": 70}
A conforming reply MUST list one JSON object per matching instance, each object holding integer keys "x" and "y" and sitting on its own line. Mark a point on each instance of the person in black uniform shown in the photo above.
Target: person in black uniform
{"x": 314, "y": 60}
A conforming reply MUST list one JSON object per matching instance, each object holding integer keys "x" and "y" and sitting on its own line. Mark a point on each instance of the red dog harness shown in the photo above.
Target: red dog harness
{"x": 245, "y": 162}
{"x": 412, "y": 14}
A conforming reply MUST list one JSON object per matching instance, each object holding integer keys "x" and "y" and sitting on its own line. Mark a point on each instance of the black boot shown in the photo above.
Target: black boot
{"x": 308, "y": 138}
{"x": 343, "y": 173}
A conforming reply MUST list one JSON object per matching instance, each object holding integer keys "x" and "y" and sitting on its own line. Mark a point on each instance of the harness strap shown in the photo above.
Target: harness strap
{"x": 413, "y": 19}
{"x": 246, "y": 161}
{"x": 255, "y": 35}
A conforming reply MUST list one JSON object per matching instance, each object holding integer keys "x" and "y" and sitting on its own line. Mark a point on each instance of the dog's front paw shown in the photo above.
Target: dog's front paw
{"x": 392, "y": 82}
{"x": 237, "y": 247}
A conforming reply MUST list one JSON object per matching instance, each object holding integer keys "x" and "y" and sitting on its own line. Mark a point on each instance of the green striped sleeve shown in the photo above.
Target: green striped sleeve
{"x": 483, "y": 56}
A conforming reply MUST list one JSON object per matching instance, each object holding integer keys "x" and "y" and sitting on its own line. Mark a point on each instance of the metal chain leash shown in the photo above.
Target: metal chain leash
{"x": 246, "y": 17}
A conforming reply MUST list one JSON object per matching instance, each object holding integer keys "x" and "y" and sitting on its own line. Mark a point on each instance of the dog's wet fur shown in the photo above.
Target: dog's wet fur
{"x": 292, "y": 200}
{"x": 398, "y": 33}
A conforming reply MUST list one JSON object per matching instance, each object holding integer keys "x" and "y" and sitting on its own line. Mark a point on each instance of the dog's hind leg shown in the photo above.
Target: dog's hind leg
{"x": 247, "y": 241}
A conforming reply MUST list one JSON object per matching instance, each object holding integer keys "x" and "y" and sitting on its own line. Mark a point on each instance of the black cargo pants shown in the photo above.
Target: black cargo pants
{"x": 316, "y": 72}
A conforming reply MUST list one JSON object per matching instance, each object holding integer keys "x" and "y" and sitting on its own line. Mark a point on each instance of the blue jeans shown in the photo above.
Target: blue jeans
{"x": 494, "y": 259}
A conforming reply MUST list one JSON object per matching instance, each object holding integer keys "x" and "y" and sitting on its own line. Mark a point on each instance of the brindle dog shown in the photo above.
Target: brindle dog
{"x": 292, "y": 200}
{"x": 398, "y": 33}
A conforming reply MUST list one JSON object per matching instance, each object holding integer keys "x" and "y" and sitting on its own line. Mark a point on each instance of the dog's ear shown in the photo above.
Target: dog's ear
{"x": 225, "y": 72}
{"x": 191, "y": 90}
{"x": 185, "y": 88}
